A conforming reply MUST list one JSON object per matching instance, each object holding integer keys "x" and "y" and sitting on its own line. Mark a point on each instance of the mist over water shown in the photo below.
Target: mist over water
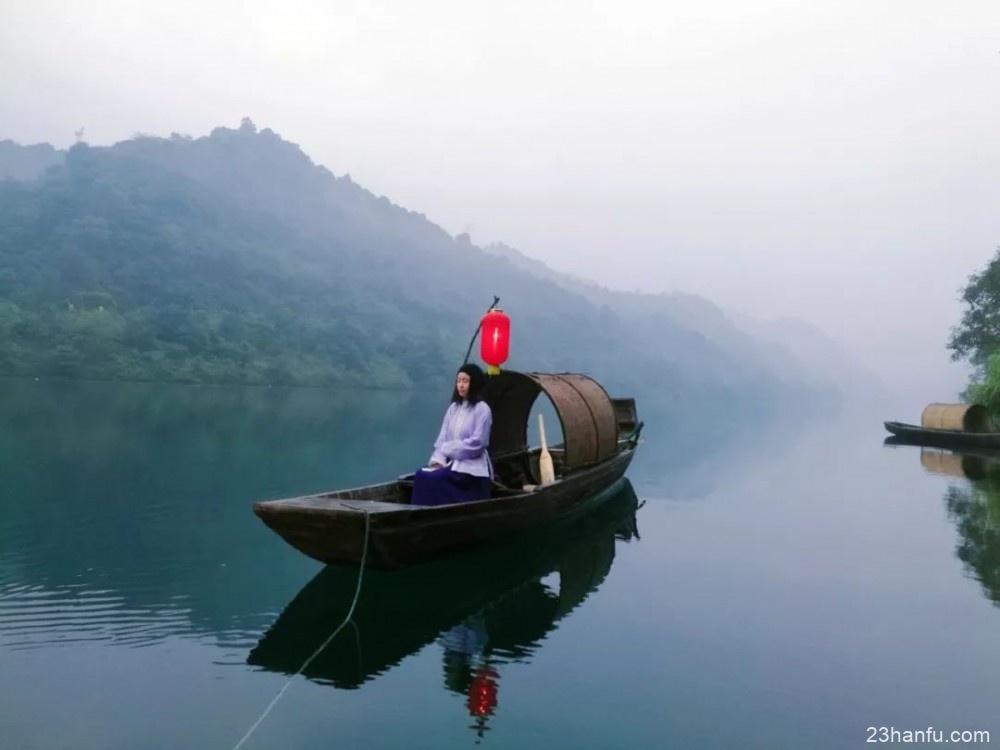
{"x": 832, "y": 163}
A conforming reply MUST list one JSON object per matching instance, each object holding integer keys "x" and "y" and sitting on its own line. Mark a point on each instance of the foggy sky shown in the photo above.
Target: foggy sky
{"x": 832, "y": 161}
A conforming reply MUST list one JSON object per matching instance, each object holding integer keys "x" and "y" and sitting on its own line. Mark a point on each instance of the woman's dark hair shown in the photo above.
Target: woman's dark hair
{"x": 477, "y": 380}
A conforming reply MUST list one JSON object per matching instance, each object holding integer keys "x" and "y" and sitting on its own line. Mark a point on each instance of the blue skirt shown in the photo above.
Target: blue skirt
{"x": 444, "y": 486}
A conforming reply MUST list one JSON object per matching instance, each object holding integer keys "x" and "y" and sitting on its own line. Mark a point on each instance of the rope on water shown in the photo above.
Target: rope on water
{"x": 317, "y": 652}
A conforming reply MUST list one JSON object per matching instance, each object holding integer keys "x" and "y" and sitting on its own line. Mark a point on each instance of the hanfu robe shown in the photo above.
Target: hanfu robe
{"x": 461, "y": 449}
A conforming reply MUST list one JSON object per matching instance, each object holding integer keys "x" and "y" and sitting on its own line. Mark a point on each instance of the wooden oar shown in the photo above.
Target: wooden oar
{"x": 546, "y": 471}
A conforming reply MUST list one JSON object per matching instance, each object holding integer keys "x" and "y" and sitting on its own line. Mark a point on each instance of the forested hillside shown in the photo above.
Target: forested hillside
{"x": 234, "y": 258}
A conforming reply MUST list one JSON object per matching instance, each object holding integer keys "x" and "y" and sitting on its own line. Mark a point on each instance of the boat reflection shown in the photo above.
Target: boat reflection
{"x": 950, "y": 464}
{"x": 485, "y": 609}
{"x": 973, "y": 505}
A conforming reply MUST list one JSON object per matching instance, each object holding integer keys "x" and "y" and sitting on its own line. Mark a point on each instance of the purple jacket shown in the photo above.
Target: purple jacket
{"x": 464, "y": 436}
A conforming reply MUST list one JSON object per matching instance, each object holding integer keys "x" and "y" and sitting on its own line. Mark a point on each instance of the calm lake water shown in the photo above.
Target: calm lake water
{"x": 787, "y": 586}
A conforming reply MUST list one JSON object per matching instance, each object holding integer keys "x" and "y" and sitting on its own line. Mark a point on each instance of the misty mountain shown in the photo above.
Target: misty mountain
{"x": 808, "y": 354}
{"x": 235, "y": 258}
{"x": 791, "y": 350}
{"x": 26, "y": 162}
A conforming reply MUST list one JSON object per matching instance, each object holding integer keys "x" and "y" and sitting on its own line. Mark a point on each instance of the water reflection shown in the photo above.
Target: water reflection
{"x": 127, "y": 505}
{"x": 484, "y": 610}
{"x": 126, "y": 514}
{"x": 951, "y": 464}
{"x": 975, "y": 510}
{"x": 973, "y": 505}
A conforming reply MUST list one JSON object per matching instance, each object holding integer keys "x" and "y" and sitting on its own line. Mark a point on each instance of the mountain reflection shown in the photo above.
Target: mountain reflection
{"x": 484, "y": 609}
{"x": 974, "y": 507}
{"x": 127, "y": 505}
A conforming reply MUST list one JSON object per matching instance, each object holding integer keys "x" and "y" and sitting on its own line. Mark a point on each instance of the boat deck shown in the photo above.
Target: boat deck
{"x": 327, "y": 503}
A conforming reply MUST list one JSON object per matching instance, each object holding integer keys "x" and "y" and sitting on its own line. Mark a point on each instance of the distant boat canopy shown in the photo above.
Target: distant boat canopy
{"x": 962, "y": 417}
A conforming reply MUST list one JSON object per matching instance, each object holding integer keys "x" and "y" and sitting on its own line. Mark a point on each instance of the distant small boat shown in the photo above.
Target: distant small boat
{"x": 916, "y": 435}
{"x": 600, "y": 437}
{"x": 948, "y": 426}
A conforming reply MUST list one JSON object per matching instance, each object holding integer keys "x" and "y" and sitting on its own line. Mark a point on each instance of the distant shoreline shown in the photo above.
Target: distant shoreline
{"x": 216, "y": 384}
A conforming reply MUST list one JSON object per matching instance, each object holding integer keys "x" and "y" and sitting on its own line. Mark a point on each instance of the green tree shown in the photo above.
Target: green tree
{"x": 977, "y": 336}
{"x": 987, "y": 392}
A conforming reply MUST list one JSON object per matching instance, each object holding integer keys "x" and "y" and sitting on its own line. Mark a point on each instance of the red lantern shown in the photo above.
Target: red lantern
{"x": 494, "y": 343}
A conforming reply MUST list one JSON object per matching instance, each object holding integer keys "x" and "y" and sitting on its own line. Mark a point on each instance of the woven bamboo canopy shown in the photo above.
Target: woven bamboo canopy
{"x": 586, "y": 414}
{"x": 963, "y": 417}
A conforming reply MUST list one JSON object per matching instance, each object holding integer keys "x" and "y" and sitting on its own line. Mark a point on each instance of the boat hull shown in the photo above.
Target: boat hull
{"x": 916, "y": 435}
{"x": 498, "y": 584}
{"x": 333, "y": 528}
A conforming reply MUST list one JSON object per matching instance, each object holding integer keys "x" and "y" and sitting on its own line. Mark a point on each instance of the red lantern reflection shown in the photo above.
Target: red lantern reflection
{"x": 482, "y": 701}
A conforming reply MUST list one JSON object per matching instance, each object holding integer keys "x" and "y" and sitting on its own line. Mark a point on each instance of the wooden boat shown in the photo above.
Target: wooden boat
{"x": 499, "y": 585}
{"x": 600, "y": 438}
{"x": 917, "y": 435}
{"x": 949, "y": 426}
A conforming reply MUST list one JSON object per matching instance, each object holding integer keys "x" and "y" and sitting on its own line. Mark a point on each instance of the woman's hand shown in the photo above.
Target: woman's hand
{"x": 435, "y": 465}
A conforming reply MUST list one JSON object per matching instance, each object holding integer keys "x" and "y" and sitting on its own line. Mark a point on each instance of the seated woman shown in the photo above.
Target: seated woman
{"x": 459, "y": 470}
